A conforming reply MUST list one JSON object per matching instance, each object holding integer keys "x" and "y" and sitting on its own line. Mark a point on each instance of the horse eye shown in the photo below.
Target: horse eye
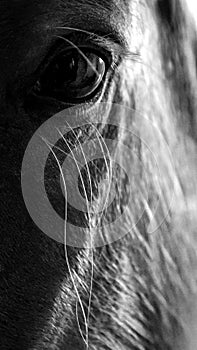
{"x": 71, "y": 76}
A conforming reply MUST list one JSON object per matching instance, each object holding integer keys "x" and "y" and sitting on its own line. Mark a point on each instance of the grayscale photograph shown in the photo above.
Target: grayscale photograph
{"x": 98, "y": 174}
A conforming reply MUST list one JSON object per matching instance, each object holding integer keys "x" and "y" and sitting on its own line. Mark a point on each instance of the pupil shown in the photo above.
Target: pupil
{"x": 66, "y": 70}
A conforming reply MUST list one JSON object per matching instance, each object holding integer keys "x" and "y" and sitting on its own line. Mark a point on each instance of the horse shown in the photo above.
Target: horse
{"x": 120, "y": 77}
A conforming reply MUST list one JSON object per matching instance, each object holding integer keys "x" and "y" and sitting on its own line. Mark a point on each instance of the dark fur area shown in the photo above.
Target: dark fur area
{"x": 143, "y": 285}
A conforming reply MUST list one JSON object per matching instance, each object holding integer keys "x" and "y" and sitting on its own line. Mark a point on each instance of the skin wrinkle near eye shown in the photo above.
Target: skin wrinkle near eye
{"x": 111, "y": 40}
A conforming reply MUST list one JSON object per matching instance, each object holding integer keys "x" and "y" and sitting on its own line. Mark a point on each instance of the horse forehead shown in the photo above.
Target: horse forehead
{"x": 77, "y": 4}
{"x": 24, "y": 13}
